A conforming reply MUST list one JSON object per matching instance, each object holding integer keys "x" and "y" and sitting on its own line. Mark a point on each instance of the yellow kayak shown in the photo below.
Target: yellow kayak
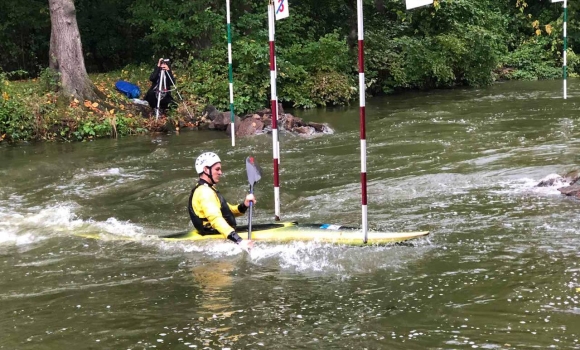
{"x": 293, "y": 231}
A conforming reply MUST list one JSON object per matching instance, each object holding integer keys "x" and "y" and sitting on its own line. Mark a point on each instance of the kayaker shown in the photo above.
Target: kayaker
{"x": 208, "y": 209}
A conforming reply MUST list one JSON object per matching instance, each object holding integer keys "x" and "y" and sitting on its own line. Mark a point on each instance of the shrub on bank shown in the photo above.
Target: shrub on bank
{"x": 18, "y": 104}
{"x": 32, "y": 110}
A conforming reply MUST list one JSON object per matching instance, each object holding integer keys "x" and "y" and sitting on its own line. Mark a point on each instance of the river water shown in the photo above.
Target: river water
{"x": 499, "y": 270}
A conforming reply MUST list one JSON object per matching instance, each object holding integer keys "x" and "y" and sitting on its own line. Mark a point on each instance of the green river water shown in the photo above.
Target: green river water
{"x": 499, "y": 270}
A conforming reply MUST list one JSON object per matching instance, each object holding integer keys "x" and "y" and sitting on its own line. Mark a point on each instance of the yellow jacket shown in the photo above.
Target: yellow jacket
{"x": 210, "y": 206}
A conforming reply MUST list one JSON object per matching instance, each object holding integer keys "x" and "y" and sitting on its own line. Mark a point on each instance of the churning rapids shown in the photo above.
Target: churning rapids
{"x": 499, "y": 270}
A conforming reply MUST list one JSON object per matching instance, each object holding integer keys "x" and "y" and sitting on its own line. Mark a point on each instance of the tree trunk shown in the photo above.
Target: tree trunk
{"x": 66, "y": 52}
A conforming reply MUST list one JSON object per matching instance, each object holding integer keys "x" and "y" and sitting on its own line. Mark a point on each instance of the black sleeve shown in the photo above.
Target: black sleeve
{"x": 154, "y": 75}
{"x": 242, "y": 208}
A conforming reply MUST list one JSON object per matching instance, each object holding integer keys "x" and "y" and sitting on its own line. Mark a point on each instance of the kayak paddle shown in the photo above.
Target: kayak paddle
{"x": 254, "y": 175}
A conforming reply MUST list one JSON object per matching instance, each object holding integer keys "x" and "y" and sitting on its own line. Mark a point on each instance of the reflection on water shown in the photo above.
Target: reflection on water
{"x": 499, "y": 271}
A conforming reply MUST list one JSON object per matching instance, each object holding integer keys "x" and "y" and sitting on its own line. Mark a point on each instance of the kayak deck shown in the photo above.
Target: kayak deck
{"x": 292, "y": 231}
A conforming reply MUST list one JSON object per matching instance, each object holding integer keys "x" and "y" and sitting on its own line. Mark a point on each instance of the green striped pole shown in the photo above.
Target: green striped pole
{"x": 231, "y": 74}
{"x": 565, "y": 67}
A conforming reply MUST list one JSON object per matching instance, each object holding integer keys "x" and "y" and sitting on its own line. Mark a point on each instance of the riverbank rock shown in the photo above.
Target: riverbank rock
{"x": 260, "y": 122}
{"x": 570, "y": 180}
{"x": 252, "y": 125}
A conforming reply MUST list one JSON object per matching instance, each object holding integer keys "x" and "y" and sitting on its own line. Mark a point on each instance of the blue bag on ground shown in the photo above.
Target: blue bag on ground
{"x": 130, "y": 90}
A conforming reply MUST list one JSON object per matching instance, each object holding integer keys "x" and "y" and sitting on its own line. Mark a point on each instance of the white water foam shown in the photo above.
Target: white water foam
{"x": 120, "y": 228}
{"x": 529, "y": 185}
{"x": 11, "y": 238}
{"x": 341, "y": 260}
{"x": 86, "y": 183}
{"x": 310, "y": 257}
{"x": 27, "y": 228}
{"x": 109, "y": 172}
{"x": 43, "y": 223}
{"x": 303, "y": 256}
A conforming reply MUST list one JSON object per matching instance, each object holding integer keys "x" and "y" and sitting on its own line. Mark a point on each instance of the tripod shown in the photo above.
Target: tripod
{"x": 162, "y": 90}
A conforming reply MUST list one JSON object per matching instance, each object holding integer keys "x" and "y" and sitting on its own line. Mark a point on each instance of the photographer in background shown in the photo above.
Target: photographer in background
{"x": 161, "y": 86}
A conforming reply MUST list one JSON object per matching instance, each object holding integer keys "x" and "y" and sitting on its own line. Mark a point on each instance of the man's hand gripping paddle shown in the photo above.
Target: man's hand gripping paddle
{"x": 254, "y": 175}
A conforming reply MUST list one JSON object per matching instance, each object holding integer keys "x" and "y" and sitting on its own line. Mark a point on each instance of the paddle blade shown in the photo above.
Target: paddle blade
{"x": 254, "y": 171}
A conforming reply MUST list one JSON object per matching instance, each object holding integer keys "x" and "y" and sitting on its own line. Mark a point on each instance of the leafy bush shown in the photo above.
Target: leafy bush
{"x": 531, "y": 61}
{"x": 49, "y": 80}
{"x": 16, "y": 121}
{"x": 384, "y": 65}
{"x": 332, "y": 88}
{"x": 573, "y": 63}
{"x": 317, "y": 73}
{"x": 209, "y": 76}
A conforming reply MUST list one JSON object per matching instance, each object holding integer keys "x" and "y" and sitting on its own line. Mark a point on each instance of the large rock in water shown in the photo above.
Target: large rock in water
{"x": 573, "y": 190}
{"x": 210, "y": 112}
{"x": 261, "y": 122}
{"x": 221, "y": 121}
{"x": 570, "y": 179}
{"x": 249, "y": 126}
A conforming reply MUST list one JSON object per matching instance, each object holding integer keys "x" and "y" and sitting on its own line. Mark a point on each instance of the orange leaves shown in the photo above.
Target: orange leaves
{"x": 93, "y": 106}
{"x": 5, "y": 96}
{"x": 112, "y": 118}
{"x": 102, "y": 86}
{"x": 536, "y": 26}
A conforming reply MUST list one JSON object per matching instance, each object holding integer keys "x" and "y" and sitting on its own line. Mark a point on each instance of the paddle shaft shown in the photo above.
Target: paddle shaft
{"x": 254, "y": 173}
{"x": 250, "y": 214}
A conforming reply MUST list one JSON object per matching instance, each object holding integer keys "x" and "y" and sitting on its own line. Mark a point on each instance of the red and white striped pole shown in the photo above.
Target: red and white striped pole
{"x": 363, "y": 141}
{"x": 274, "y": 107}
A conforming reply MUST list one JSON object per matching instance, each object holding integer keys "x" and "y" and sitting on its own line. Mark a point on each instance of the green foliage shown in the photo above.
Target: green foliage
{"x": 16, "y": 122}
{"x": 332, "y": 88}
{"x": 573, "y": 63}
{"x": 24, "y": 35}
{"x": 178, "y": 28}
{"x": 28, "y": 111}
{"x": 459, "y": 43}
{"x": 49, "y": 80}
{"x": 324, "y": 81}
{"x": 209, "y": 76}
{"x": 454, "y": 43}
{"x": 109, "y": 39}
{"x": 303, "y": 82}
{"x": 531, "y": 61}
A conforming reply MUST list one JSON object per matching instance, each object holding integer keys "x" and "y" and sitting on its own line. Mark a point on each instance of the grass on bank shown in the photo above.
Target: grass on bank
{"x": 32, "y": 110}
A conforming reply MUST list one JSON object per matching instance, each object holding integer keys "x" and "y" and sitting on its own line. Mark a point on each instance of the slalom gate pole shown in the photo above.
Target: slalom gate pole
{"x": 231, "y": 74}
{"x": 363, "y": 142}
{"x": 564, "y": 54}
{"x": 274, "y": 108}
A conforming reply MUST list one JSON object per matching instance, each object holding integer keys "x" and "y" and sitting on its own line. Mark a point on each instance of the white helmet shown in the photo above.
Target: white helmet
{"x": 206, "y": 159}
